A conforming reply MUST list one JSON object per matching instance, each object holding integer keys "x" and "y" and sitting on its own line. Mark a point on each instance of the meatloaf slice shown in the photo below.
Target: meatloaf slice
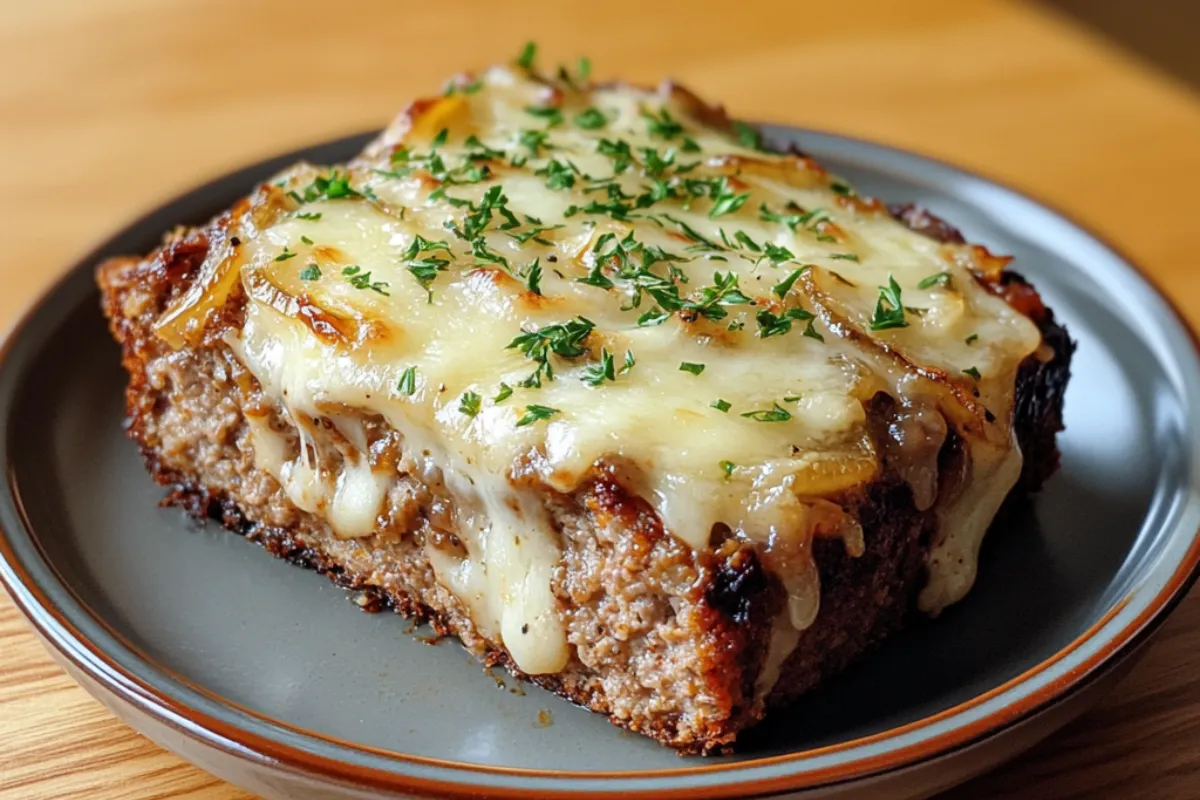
{"x": 687, "y": 644}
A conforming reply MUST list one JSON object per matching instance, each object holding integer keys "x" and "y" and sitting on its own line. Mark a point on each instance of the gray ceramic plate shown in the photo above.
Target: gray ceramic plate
{"x": 266, "y": 675}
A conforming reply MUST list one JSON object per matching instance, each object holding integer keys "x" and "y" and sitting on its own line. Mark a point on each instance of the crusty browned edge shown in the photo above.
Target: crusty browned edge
{"x": 863, "y": 599}
{"x": 1041, "y": 384}
{"x": 874, "y": 594}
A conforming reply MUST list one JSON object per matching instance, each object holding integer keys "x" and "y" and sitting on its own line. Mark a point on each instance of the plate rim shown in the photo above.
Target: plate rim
{"x": 59, "y": 631}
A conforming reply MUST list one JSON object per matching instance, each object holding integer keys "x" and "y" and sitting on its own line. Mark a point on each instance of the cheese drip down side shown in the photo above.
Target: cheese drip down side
{"x": 530, "y": 281}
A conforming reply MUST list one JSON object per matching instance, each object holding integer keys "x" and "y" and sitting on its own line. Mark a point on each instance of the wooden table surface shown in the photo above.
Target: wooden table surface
{"x": 108, "y": 108}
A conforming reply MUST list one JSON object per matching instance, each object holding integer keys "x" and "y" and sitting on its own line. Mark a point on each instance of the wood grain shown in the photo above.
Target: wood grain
{"x": 108, "y": 108}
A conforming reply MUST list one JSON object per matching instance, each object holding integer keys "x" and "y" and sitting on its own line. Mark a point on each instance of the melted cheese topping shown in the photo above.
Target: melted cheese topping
{"x": 657, "y": 236}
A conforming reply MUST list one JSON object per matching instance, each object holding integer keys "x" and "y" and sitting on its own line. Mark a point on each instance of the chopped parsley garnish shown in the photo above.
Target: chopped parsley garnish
{"x": 533, "y": 277}
{"x": 689, "y": 145}
{"x": 771, "y": 325}
{"x": 723, "y": 292}
{"x": 306, "y": 240}
{"x": 721, "y": 405}
{"x": 776, "y": 253}
{"x": 620, "y": 251}
{"x": 408, "y": 381}
{"x": 810, "y": 219}
{"x": 692, "y": 233}
{"x": 533, "y": 141}
{"x": 845, "y": 190}
{"x": 362, "y": 280}
{"x": 748, "y": 136}
{"x": 310, "y": 273}
{"x": 973, "y": 372}
{"x": 654, "y": 163}
{"x": 688, "y": 366}
{"x": 889, "y": 310}
{"x": 736, "y": 325}
{"x": 619, "y": 254}
{"x": 528, "y": 54}
{"x": 402, "y": 155}
{"x": 478, "y": 151}
{"x": 655, "y": 316}
{"x": 466, "y": 173}
{"x": 592, "y": 119}
{"x": 559, "y": 174}
{"x": 536, "y": 413}
{"x": 311, "y": 216}
{"x": 563, "y": 339}
{"x": 484, "y": 255}
{"x": 618, "y": 151}
{"x": 790, "y": 220}
{"x": 285, "y": 255}
{"x": 552, "y": 115}
{"x": 470, "y": 87}
{"x": 974, "y": 337}
{"x": 662, "y": 124}
{"x": 425, "y": 269}
{"x": 597, "y": 374}
{"x": 402, "y": 172}
{"x": 743, "y": 239}
{"x": 938, "y": 279}
{"x": 337, "y": 185}
{"x": 725, "y": 201}
{"x": 658, "y": 190}
{"x": 472, "y": 174}
{"x": 469, "y": 404}
{"x": 796, "y": 217}
{"x": 579, "y": 80}
{"x": 503, "y": 392}
{"x": 533, "y": 233}
{"x": 845, "y": 257}
{"x": 615, "y": 208}
{"x": 784, "y": 286}
{"x": 776, "y": 414}
{"x": 480, "y": 216}
{"x": 629, "y": 362}
{"x": 596, "y": 277}
{"x": 728, "y": 467}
